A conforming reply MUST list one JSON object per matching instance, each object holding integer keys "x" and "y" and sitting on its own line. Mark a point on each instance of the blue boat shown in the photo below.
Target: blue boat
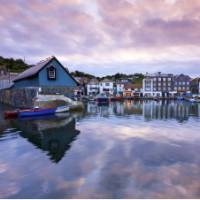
{"x": 36, "y": 112}
{"x": 102, "y": 99}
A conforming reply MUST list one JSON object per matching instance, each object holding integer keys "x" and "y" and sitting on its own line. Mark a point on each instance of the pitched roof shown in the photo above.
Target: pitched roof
{"x": 38, "y": 67}
{"x": 182, "y": 77}
{"x": 33, "y": 70}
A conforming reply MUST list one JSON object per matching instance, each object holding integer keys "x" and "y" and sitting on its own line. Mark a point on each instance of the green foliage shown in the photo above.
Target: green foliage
{"x": 13, "y": 65}
{"x": 82, "y": 74}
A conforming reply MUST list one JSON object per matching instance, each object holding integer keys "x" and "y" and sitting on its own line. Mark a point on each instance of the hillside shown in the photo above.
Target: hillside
{"x": 13, "y": 65}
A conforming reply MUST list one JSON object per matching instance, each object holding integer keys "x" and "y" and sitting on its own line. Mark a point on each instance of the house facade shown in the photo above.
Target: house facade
{"x": 182, "y": 84}
{"x": 128, "y": 90}
{"x": 119, "y": 88}
{"x": 106, "y": 87}
{"x": 158, "y": 85}
{"x": 93, "y": 87}
{"x": 47, "y": 73}
{"x": 195, "y": 86}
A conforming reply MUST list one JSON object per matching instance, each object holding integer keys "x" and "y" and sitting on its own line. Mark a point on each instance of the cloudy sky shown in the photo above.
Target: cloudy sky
{"x": 104, "y": 36}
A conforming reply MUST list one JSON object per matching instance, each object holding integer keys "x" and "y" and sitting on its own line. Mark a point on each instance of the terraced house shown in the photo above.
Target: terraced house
{"x": 158, "y": 85}
{"x": 195, "y": 86}
{"x": 182, "y": 84}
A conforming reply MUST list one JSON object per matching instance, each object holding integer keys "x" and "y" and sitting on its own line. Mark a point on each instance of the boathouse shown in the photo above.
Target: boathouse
{"x": 47, "y": 73}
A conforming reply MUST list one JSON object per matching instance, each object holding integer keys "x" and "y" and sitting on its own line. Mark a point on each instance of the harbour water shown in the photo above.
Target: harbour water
{"x": 130, "y": 149}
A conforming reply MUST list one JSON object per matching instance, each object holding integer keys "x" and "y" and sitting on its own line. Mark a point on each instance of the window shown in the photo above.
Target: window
{"x": 51, "y": 73}
{"x": 107, "y": 84}
{"x": 169, "y": 79}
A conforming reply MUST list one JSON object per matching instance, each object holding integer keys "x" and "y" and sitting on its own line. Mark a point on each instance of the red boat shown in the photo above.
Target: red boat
{"x": 13, "y": 113}
{"x": 10, "y": 114}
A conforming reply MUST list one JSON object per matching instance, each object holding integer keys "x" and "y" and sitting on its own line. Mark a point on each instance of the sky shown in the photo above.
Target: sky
{"x": 104, "y": 36}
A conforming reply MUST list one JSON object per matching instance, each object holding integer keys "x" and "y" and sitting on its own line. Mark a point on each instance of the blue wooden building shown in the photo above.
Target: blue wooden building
{"x": 47, "y": 73}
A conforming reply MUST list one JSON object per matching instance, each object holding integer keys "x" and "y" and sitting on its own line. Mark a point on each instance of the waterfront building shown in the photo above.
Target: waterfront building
{"x": 158, "y": 85}
{"x": 182, "y": 84}
{"x": 47, "y": 73}
{"x": 128, "y": 90}
{"x": 93, "y": 87}
{"x": 106, "y": 86}
{"x": 195, "y": 86}
{"x": 119, "y": 88}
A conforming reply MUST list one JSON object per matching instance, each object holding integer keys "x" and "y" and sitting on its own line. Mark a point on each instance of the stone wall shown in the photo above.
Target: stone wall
{"x": 20, "y": 98}
{"x": 24, "y": 97}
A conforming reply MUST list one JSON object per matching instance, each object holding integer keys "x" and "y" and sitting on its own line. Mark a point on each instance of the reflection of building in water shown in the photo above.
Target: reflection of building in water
{"x": 169, "y": 110}
{"x": 116, "y": 108}
{"x": 53, "y": 135}
{"x": 133, "y": 107}
{"x": 179, "y": 110}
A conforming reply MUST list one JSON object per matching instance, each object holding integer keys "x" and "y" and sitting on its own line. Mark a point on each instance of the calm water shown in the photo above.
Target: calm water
{"x": 127, "y": 150}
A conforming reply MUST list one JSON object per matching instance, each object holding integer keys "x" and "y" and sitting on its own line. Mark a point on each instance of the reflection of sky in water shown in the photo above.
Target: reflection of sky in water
{"x": 129, "y": 150}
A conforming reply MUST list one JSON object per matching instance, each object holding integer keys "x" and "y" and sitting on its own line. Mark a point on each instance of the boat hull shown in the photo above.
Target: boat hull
{"x": 37, "y": 112}
{"x": 102, "y": 101}
{"x": 10, "y": 114}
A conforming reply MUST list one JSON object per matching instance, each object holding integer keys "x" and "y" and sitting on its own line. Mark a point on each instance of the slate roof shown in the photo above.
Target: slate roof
{"x": 32, "y": 71}
{"x": 182, "y": 77}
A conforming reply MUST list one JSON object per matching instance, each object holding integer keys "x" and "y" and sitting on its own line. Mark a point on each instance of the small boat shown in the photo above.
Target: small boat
{"x": 10, "y": 114}
{"x": 102, "y": 99}
{"x": 36, "y": 112}
{"x": 13, "y": 113}
{"x": 156, "y": 99}
{"x": 180, "y": 98}
{"x": 61, "y": 109}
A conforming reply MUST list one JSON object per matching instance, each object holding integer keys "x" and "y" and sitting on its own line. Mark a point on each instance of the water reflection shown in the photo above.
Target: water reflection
{"x": 124, "y": 150}
{"x": 150, "y": 110}
{"x": 53, "y": 134}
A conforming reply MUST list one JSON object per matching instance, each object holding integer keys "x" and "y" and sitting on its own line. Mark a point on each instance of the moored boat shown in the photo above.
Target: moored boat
{"x": 36, "y": 112}
{"x": 102, "y": 99}
{"x": 13, "y": 113}
{"x": 10, "y": 114}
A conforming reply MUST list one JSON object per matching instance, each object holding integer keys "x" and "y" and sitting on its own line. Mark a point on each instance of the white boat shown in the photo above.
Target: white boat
{"x": 61, "y": 109}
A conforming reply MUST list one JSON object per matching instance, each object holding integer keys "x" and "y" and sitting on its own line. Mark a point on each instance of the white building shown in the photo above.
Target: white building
{"x": 93, "y": 87}
{"x": 106, "y": 87}
{"x": 119, "y": 88}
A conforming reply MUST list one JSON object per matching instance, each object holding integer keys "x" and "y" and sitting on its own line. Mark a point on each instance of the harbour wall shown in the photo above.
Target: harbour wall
{"x": 25, "y": 97}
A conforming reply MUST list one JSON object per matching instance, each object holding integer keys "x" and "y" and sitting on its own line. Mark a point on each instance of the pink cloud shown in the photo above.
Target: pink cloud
{"x": 85, "y": 28}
